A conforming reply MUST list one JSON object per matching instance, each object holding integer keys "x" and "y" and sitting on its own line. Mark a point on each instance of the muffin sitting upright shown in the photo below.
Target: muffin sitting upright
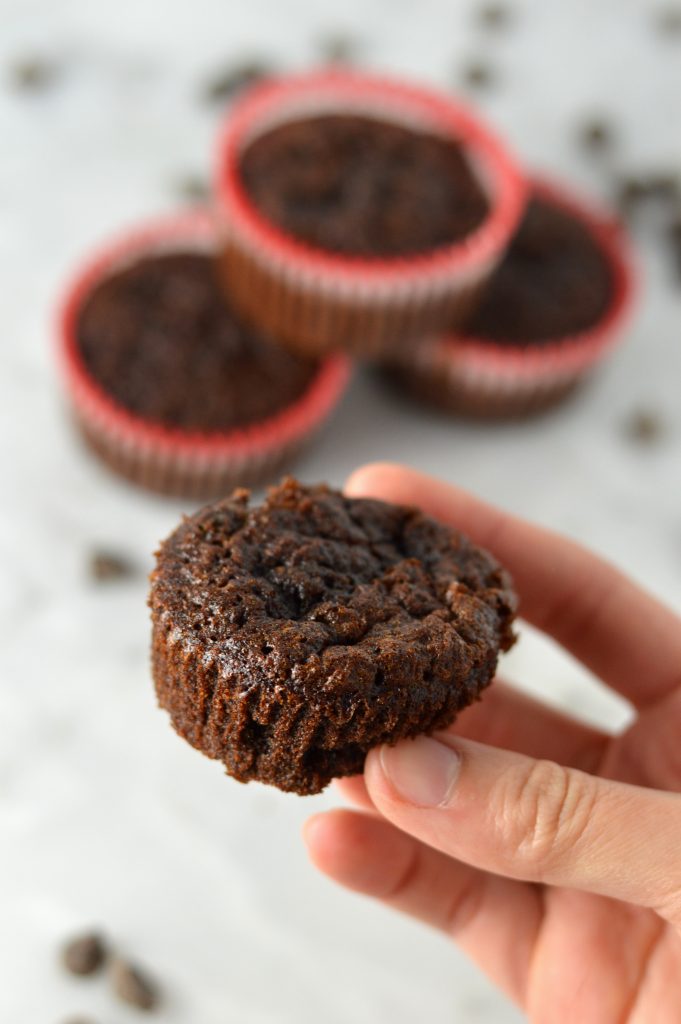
{"x": 553, "y": 309}
{"x": 358, "y": 213}
{"x": 167, "y": 384}
{"x": 290, "y": 638}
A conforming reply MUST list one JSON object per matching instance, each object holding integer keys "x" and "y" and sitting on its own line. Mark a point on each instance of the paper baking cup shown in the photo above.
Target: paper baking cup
{"x": 316, "y": 301}
{"x": 173, "y": 461}
{"x": 479, "y": 377}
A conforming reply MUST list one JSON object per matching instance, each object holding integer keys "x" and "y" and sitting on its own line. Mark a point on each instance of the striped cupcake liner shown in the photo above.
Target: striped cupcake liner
{"x": 317, "y": 301}
{"x": 167, "y": 460}
{"x": 476, "y": 376}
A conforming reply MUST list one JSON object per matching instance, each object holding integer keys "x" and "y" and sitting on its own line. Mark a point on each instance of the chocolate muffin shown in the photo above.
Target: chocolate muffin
{"x": 360, "y": 214}
{"x": 554, "y": 282}
{"x": 290, "y": 638}
{"x": 160, "y": 339}
{"x": 167, "y": 384}
{"x": 362, "y": 187}
{"x": 550, "y": 312}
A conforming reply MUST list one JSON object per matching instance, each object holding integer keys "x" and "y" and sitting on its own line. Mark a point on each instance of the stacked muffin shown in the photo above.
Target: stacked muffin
{"x": 356, "y": 217}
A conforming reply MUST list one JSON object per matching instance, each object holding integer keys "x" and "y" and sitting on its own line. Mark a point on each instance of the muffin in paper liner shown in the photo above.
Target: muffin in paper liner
{"x": 478, "y": 377}
{"x": 173, "y": 461}
{"x": 315, "y": 300}
{"x": 290, "y": 638}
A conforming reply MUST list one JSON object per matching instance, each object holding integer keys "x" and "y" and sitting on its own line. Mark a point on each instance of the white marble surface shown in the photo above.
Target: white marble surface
{"x": 105, "y": 816}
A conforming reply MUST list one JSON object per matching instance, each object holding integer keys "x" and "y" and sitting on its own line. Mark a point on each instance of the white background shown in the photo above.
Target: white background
{"x": 105, "y": 816}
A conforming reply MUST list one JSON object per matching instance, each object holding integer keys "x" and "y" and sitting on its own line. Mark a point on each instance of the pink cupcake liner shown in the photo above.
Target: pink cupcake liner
{"x": 168, "y": 460}
{"x": 316, "y": 301}
{"x": 477, "y": 376}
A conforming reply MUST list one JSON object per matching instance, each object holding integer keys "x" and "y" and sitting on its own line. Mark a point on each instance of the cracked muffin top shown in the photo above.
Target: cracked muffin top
{"x": 554, "y": 281}
{"x": 322, "y": 593}
{"x": 159, "y": 338}
{"x": 360, "y": 186}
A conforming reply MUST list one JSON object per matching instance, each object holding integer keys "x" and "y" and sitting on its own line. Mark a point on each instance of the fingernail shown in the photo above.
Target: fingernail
{"x": 421, "y": 771}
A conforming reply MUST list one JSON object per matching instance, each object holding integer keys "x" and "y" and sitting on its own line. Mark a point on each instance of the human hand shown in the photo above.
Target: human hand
{"x": 552, "y": 856}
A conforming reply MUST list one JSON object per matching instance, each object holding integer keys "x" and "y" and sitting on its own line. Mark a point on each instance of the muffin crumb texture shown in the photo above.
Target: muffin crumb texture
{"x": 362, "y": 187}
{"x": 160, "y": 340}
{"x": 554, "y": 281}
{"x": 290, "y": 638}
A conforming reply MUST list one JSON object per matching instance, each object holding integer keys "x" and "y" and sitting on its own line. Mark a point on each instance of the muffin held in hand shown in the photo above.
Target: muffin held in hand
{"x": 290, "y": 638}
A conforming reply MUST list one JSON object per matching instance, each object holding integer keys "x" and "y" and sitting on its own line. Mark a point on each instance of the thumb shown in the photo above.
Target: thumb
{"x": 533, "y": 820}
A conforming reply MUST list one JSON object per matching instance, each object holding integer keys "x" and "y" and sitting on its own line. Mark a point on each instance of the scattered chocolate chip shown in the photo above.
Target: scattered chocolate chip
{"x": 629, "y": 192}
{"x": 673, "y": 239}
{"x": 478, "y": 75}
{"x": 106, "y": 566}
{"x": 644, "y": 426}
{"x": 80, "y": 1020}
{"x": 668, "y": 20}
{"x": 596, "y": 135}
{"x": 657, "y": 187}
{"x": 674, "y": 231}
{"x": 192, "y": 188}
{"x": 338, "y": 48}
{"x": 676, "y": 265}
{"x": 132, "y": 986}
{"x": 84, "y": 954}
{"x": 224, "y": 85}
{"x": 495, "y": 16}
{"x": 664, "y": 186}
{"x": 34, "y": 74}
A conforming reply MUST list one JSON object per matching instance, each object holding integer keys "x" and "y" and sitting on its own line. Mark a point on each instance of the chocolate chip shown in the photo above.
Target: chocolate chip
{"x": 227, "y": 83}
{"x": 106, "y": 566}
{"x": 674, "y": 230}
{"x": 192, "y": 188}
{"x": 478, "y": 75}
{"x": 34, "y": 74}
{"x": 79, "y": 1020}
{"x": 673, "y": 239}
{"x": 338, "y": 48}
{"x": 84, "y": 954}
{"x": 644, "y": 426}
{"x": 668, "y": 20}
{"x": 494, "y": 16}
{"x": 663, "y": 186}
{"x": 629, "y": 192}
{"x": 596, "y": 135}
{"x": 676, "y": 265}
{"x": 132, "y": 986}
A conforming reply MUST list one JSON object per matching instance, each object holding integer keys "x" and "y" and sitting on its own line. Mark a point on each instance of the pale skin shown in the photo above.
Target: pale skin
{"x": 549, "y": 851}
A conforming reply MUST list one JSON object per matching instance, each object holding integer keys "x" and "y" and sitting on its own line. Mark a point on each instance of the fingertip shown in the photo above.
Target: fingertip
{"x": 354, "y": 790}
{"x": 358, "y": 851}
{"x": 337, "y": 844}
{"x": 375, "y": 781}
{"x": 316, "y": 831}
{"x": 371, "y": 479}
{"x": 311, "y": 827}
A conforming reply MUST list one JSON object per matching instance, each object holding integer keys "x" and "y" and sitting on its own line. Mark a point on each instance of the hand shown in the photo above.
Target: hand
{"x": 552, "y": 856}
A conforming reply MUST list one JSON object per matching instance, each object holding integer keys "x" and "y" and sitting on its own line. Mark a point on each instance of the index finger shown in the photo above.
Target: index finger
{"x": 619, "y": 631}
